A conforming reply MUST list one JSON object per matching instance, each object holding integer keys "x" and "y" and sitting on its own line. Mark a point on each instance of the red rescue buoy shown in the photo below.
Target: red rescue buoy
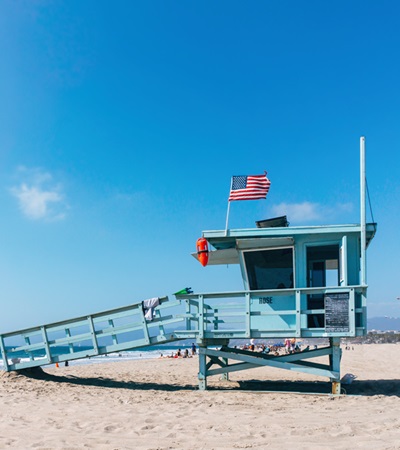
{"x": 202, "y": 251}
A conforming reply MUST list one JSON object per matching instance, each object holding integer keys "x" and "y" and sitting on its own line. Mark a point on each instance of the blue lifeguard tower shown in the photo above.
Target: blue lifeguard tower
{"x": 299, "y": 282}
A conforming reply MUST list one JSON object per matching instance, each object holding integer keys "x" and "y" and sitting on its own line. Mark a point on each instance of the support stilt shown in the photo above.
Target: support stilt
{"x": 225, "y": 375}
{"x": 202, "y": 369}
{"x": 335, "y": 358}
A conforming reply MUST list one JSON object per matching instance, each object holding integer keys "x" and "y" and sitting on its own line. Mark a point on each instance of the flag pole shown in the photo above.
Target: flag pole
{"x": 363, "y": 268}
{"x": 227, "y": 218}
{"x": 227, "y": 212}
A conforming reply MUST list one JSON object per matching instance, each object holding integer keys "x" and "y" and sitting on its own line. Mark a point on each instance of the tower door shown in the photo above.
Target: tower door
{"x": 322, "y": 271}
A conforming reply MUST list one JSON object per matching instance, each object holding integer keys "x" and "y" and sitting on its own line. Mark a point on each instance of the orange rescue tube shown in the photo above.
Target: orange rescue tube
{"x": 202, "y": 251}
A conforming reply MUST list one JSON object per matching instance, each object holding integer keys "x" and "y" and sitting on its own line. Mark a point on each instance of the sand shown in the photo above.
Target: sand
{"x": 155, "y": 404}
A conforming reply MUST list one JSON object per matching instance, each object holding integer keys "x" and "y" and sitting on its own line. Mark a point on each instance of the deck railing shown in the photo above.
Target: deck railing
{"x": 275, "y": 313}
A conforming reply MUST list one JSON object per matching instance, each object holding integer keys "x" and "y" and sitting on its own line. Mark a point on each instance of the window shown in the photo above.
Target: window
{"x": 270, "y": 269}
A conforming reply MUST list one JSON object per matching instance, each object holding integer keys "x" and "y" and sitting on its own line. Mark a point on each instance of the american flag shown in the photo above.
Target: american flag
{"x": 249, "y": 187}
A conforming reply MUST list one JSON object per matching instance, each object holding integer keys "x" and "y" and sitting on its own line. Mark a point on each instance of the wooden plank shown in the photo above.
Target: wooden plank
{"x": 71, "y": 339}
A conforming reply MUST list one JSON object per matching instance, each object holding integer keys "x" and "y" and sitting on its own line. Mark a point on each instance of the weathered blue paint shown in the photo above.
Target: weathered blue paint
{"x": 215, "y": 318}
{"x": 285, "y": 313}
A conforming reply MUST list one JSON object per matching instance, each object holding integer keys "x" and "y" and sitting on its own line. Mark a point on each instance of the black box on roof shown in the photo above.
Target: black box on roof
{"x": 274, "y": 222}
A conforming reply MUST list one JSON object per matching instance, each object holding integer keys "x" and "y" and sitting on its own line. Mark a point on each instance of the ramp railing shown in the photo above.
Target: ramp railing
{"x": 110, "y": 331}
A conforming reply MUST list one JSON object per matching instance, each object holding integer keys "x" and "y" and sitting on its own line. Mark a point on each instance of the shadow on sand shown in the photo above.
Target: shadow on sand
{"x": 357, "y": 387}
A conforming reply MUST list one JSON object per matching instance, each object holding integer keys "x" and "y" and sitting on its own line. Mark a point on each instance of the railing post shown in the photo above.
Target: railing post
{"x": 248, "y": 314}
{"x": 352, "y": 314}
{"x": 114, "y": 337}
{"x": 298, "y": 313}
{"x": 28, "y": 342}
{"x": 3, "y": 353}
{"x": 188, "y": 319}
{"x": 93, "y": 333}
{"x": 144, "y": 323}
{"x": 70, "y": 346}
{"x": 46, "y": 344}
{"x": 364, "y": 308}
{"x": 201, "y": 317}
{"x": 215, "y": 319}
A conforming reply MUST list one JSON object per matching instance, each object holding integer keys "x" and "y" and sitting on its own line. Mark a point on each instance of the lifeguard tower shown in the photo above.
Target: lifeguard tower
{"x": 299, "y": 282}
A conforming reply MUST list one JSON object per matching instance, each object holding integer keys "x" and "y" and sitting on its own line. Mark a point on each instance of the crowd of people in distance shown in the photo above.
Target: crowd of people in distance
{"x": 184, "y": 354}
{"x": 290, "y": 346}
{"x": 261, "y": 348}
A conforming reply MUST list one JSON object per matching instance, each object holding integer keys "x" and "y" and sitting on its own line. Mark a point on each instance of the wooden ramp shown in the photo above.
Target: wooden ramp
{"x": 110, "y": 331}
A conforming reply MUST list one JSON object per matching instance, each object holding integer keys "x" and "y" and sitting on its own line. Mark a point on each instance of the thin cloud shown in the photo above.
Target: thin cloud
{"x": 38, "y": 196}
{"x": 298, "y": 212}
{"x": 306, "y": 212}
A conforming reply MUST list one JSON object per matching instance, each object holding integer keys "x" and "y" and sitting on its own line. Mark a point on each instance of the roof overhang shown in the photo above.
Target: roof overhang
{"x": 229, "y": 243}
{"x": 227, "y": 239}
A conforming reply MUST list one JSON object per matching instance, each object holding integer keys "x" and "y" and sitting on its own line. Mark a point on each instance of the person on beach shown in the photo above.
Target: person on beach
{"x": 193, "y": 348}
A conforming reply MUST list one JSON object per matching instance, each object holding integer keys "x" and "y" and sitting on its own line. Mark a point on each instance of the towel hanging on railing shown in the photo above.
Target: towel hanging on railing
{"x": 148, "y": 307}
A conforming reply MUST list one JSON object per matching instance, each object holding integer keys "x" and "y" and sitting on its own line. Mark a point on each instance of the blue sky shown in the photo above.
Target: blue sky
{"x": 121, "y": 124}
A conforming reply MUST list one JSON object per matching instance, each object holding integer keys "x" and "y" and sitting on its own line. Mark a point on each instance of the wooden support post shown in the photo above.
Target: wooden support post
{"x": 202, "y": 369}
{"x": 225, "y": 375}
{"x": 335, "y": 357}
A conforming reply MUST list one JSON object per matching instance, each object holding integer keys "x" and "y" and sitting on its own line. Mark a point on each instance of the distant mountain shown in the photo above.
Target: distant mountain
{"x": 383, "y": 323}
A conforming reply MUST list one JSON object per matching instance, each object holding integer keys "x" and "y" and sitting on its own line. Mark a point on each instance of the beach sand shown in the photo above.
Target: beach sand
{"x": 155, "y": 404}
